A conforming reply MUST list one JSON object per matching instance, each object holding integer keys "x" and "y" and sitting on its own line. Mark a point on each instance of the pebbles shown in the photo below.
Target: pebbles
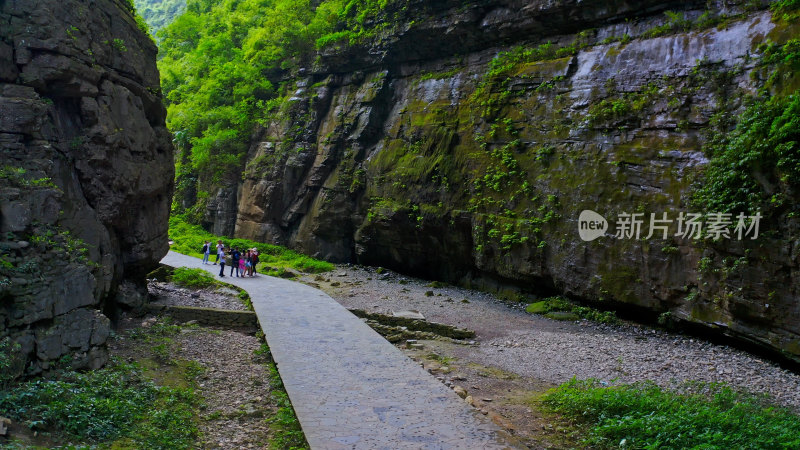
{"x": 171, "y": 295}
{"x": 554, "y": 352}
{"x": 234, "y": 387}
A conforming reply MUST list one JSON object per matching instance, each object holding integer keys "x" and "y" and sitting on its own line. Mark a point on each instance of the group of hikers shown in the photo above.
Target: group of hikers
{"x": 242, "y": 263}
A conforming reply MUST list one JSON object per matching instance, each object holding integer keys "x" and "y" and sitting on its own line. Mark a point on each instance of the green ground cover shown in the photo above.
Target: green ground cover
{"x": 643, "y": 415}
{"x": 188, "y": 239}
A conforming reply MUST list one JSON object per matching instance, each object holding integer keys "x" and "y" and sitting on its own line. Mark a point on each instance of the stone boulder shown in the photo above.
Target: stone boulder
{"x": 86, "y": 170}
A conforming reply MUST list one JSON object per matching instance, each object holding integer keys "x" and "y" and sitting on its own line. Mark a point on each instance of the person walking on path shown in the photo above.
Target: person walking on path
{"x": 247, "y": 262}
{"x": 220, "y": 249}
{"x": 235, "y": 255}
{"x": 206, "y": 252}
{"x": 242, "y": 264}
{"x": 221, "y": 256}
{"x": 253, "y": 261}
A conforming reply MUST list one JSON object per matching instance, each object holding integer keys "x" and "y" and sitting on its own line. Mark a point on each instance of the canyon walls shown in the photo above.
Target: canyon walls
{"x": 462, "y": 143}
{"x": 86, "y": 176}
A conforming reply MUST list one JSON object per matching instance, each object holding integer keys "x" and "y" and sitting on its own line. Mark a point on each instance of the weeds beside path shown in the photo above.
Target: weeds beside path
{"x": 168, "y": 386}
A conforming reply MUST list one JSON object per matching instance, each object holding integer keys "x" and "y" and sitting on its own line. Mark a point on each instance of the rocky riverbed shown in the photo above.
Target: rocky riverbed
{"x": 551, "y": 352}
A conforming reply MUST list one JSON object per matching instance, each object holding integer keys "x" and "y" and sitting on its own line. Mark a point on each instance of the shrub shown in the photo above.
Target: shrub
{"x": 12, "y": 363}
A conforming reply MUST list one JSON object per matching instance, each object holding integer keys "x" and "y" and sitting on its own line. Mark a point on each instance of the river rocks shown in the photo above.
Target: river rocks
{"x": 410, "y": 314}
{"x": 87, "y": 170}
{"x": 460, "y": 391}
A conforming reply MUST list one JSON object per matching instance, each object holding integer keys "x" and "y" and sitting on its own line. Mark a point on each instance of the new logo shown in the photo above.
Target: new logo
{"x": 591, "y": 225}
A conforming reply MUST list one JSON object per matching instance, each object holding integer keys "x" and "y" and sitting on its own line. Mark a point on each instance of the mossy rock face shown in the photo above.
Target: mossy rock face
{"x": 91, "y": 230}
{"x": 477, "y": 175}
{"x": 537, "y": 308}
{"x": 563, "y": 316}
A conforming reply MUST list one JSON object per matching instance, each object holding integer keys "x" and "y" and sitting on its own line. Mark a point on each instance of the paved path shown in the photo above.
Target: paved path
{"x": 350, "y": 387}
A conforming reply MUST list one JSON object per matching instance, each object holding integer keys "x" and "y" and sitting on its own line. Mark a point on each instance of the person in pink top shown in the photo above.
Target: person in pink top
{"x": 242, "y": 262}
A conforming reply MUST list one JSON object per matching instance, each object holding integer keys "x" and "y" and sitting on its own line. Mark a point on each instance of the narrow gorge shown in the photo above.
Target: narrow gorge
{"x": 422, "y": 223}
{"x": 460, "y": 141}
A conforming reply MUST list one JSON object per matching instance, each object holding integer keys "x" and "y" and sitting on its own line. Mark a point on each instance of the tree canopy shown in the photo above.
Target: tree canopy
{"x": 159, "y": 13}
{"x": 221, "y": 62}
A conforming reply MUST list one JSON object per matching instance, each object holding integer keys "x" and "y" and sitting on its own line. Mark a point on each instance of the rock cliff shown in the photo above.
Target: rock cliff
{"x": 463, "y": 142}
{"x": 86, "y": 174}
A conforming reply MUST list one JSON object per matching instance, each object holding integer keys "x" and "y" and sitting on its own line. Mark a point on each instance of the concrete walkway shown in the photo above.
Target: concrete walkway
{"x": 350, "y": 387}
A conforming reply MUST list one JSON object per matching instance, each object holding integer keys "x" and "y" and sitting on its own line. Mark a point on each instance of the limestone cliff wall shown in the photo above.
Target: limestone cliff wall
{"x": 416, "y": 152}
{"x": 87, "y": 173}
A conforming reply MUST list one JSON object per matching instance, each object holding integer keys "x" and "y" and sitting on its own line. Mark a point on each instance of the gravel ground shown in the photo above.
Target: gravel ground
{"x": 235, "y": 389}
{"x": 234, "y": 384}
{"x": 171, "y": 295}
{"x": 553, "y": 351}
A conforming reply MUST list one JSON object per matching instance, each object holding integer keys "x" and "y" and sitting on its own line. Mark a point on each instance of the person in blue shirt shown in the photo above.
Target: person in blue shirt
{"x": 235, "y": 255}
{"x": 221, "y": 256}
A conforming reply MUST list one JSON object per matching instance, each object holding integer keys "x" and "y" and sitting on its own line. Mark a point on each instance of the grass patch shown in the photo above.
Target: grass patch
{"x": 189, "y": 239}
{"x": 244, "y": 299}
{"x": 193, "y": 278}
{"x": 284, "y": 424}
{"x": 116, "y": 403}
{"x": 558, "y": 307}
{"x": 281, "y": 273}
{"x": 159, "y": 337}
{"x": 443, "y": 360}
{"x": 644, "y": 415}
{"x": 163, "y": 328}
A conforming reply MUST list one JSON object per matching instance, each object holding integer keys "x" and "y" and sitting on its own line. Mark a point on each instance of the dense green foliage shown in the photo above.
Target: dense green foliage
{"x": 786, "y": 9}
{"x": 188, "y": 239}
{"x": 159, "y": 13}
{"x": 646, "y": 416}
{"x": 11, "y": 363}
{"x": 106, "y": 404}
{"x": 140, "y": 22}
{"x": 756, "y": 166}
{"x": 221, "y": 64}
